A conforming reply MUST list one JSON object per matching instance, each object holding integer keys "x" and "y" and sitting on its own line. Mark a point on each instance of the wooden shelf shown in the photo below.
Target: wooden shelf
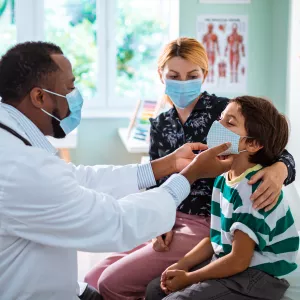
{"x": 132, "y": 146}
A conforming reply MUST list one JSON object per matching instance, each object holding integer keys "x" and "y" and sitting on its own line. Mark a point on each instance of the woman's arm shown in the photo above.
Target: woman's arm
{"x": 155, "y": 139}
{"x": 288, "y": 159}
{"x": 272, "y": 179}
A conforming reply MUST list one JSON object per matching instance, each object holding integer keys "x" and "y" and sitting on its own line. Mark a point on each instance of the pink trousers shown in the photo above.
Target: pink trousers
{"x": 126, "y": 275}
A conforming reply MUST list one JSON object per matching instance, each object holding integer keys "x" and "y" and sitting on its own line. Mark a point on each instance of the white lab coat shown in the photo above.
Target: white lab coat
{"x": 50, "y": 209}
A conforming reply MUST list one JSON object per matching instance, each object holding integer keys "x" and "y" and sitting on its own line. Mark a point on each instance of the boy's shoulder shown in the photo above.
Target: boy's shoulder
{"x": 255, "y": 186}
{"x": 238, "y": 191}
{"x": 244, "y": 190}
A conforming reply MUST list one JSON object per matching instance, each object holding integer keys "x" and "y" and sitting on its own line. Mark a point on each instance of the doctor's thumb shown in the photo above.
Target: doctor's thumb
{"x": 220, "y": 149}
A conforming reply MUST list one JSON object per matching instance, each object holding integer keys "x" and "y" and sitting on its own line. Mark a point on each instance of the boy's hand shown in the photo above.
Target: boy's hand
{"x": 177, "y": 280}
{"x": 177, "y": 266}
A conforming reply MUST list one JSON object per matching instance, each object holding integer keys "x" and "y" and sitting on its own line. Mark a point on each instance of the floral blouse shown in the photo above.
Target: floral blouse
{"x": 167, "y": 134}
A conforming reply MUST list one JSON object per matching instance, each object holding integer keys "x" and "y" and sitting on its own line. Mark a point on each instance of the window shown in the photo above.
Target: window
{"x": 71, "y": 25}
{"x": 141, "y": 30}
{"x": 8, "y": 29}
{"x": 113, "y": 45}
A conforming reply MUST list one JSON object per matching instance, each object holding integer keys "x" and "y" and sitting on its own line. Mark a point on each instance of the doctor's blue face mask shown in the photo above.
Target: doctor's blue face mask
{"x": 218, "y": 134}
{"x": 183, "y": 93}
{"x": 75, "y": 102}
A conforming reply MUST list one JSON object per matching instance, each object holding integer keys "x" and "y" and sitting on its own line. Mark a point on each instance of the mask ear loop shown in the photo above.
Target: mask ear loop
{"x": 245, "y": 137}
{"x": 57, "y": 119}
{"x": 50, "y": 115}
{"x": 54, "y": 93}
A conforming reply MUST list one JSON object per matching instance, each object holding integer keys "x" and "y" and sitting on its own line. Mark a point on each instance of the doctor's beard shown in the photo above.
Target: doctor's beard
{"x": 58, "y": 133}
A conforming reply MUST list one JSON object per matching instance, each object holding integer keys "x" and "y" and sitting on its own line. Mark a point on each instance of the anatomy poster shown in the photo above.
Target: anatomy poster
{"x": 225, "y": 39}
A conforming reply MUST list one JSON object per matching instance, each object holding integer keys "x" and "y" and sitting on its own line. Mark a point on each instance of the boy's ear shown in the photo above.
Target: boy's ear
{"x": 252, "y": 146}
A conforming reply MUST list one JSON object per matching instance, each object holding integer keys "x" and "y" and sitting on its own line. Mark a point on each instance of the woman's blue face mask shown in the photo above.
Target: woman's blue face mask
{"x": 183, "y": 93}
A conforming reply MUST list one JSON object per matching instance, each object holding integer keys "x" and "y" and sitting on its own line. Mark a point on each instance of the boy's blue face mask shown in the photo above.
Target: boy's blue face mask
{"x": 183, "y": 93}
{"x": 218, "y": 134}
{"x": 75, "y": 102}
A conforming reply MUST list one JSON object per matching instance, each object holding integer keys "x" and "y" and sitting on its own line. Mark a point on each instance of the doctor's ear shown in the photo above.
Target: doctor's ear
{"x": 37, "y": 97}
{"x": 252, "y": 146}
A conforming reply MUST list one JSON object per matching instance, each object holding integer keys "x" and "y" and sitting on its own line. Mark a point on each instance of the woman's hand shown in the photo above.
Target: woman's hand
{"x": 162, "y": 242}
{"x": 267, "y": 194}
{"x": 177, "y": 266}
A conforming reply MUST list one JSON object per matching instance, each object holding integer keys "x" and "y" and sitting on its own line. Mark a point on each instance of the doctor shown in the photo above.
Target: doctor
{"x": 50, "y": 209}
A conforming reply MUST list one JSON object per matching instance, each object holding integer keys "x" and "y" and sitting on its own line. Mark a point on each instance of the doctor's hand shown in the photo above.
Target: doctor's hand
{"x": 176, "y": 161}
{"x": 184, "y": 155}
{"x": 208, "y": 164}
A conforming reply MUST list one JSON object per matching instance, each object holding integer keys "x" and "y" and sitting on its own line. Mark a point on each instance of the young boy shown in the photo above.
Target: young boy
{"x": 252, "y": 249}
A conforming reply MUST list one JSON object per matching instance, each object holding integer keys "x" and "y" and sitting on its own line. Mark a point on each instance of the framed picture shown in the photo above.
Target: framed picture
{"x": 225, "y": 1}
{"x": 225, "y": 38}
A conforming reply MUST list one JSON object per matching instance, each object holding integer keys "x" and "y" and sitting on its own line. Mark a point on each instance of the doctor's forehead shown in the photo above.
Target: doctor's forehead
{"x": 64, "y": 64}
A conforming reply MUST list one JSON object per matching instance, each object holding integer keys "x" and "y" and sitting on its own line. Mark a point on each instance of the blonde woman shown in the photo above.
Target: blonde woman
{"x": 182, "y": 67}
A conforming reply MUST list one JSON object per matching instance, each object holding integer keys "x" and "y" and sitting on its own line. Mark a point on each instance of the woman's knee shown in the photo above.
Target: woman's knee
{"x": 110, "y": 280}
{"x": 92, "y": 278}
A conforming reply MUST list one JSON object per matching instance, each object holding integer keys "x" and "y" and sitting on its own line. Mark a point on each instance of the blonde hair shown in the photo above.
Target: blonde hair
{"x": 186, "y": 48}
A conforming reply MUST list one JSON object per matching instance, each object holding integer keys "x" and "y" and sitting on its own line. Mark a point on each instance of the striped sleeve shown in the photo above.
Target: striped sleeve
{"x": 247, "y": 219}
{"x": 178, "y": 186}
{"x": 145, "y": 176}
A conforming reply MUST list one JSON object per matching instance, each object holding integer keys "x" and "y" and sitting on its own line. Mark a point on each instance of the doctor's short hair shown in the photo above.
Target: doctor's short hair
{"x": 265, "y": 125}
{"x": 25, "y": 66}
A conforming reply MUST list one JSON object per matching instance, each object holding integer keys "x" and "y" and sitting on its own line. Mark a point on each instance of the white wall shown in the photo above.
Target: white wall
{"x": 293, "y": 96}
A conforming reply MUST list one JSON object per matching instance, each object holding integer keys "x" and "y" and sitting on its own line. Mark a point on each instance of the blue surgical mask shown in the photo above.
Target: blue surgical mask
{"x": 218, "y": 134}
{"x": 183, "y": 93}
{"x": 75, "y": 102}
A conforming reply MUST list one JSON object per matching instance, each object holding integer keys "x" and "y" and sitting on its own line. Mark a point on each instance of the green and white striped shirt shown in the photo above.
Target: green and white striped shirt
{"x": 274, "y": 232}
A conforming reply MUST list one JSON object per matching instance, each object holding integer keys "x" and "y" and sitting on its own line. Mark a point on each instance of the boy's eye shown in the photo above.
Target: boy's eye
{"x": 173, "y": 77}
{"x": 193, "y": 77}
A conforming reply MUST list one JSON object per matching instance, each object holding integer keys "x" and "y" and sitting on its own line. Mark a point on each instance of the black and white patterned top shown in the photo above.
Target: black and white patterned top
{"x": 167, "y": 134}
